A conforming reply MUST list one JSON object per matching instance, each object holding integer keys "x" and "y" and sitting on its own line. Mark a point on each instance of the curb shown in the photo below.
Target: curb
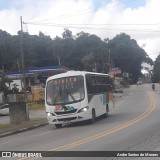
{"x": 23, "y": 129}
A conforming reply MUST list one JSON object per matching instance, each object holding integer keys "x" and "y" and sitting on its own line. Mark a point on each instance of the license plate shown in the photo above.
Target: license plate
{"x": 67, "y": 122}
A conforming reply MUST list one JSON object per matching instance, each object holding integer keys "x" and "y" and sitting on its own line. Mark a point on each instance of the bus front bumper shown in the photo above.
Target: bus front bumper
{"x": 71, "y": 118}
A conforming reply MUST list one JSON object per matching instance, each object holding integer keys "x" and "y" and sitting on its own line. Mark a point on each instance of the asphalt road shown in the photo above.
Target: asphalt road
{"x": 133, "y": 125}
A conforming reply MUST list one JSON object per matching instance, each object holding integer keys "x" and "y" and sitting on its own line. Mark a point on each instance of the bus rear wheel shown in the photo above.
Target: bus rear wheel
{"x": 107, "y": 110}
{"x": 58, "y": 126}
{"x": 93, "y": 118}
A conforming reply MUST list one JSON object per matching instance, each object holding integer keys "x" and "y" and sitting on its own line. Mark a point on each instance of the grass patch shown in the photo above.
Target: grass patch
{"x": 36, "y": 105}
{"x": 3, "y": 126}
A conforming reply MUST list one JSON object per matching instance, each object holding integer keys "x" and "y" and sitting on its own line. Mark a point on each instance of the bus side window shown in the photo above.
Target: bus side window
{"x": 101, "y": 84}
{"x": 95, "y": 84}
{"x": 89, "y": 84}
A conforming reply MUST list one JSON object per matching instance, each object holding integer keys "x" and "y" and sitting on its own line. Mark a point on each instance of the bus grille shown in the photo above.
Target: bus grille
{"x": 66, "y": 112}
{"x": 67, "y": 119}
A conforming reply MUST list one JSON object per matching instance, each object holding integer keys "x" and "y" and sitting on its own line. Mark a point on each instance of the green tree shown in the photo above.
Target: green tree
{"x": 89, "y": 61}
{"x": 127, "y": 55}
{"x": 3, "y": 85}
{"x": 67, "y": 33}
{"x": 85, "y": 46}
{"x": 6, "y": 49}
{"x": 156, "y": 70}
{"x": 81, "y": 52}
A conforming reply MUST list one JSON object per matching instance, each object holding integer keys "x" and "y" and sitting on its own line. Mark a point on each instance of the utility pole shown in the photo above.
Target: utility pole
{"x": 18, "y": 65}
{"x": 95, "y": 67}
{"x": 23, "y": 69}
{"x": 109, "y": 59}
{"x": 2, "y": 68}
{"x": 59, "y": 60}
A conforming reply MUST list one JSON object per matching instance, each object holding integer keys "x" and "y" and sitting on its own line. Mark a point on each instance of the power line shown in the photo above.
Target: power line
{"x": 65, "y": 16}
{"x": 97, "y": 26}
{"x": 84, "y": 27}
{"x": 107, "y": 24}
{"x": 60, "y": 17}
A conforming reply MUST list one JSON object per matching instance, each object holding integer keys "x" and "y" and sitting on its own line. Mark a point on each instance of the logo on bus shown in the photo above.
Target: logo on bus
{"x": 67, "y": 108}
{"x": 59, "y": 108}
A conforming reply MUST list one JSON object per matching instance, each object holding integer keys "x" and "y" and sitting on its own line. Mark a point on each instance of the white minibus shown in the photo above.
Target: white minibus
{"x": 76, "y": 96}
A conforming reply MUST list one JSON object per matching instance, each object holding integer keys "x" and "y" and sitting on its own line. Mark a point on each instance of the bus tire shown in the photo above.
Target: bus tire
{"x": 58, "y": 126}
{"x": 107, "y": 110}
{"x": 93, "y": 118}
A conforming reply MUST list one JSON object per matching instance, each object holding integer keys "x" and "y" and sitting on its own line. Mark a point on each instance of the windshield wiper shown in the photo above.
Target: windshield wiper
{"x": 71, "y": 95}
{"x": 55, "y": 99}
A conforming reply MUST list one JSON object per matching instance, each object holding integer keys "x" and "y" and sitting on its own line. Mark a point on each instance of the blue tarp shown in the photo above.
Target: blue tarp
{"x": 31, "y": 70}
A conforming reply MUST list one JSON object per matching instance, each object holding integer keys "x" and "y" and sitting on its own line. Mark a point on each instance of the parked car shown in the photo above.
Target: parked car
{"x": 4, "y": 110}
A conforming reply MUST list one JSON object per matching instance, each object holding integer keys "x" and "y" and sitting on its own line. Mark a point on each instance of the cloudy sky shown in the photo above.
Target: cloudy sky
{"x": 105, "y": 18}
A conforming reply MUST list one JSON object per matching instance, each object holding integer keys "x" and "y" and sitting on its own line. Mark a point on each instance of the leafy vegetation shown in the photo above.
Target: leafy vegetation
{"x": 156, "y": 70}
{"x": 82, "y": 51}
{"x": 36, "y": 105}
{"x": 4, "y": 81}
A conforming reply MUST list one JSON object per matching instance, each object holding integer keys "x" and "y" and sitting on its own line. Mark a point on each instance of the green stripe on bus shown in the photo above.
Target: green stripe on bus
{"x": 105, "y": 98}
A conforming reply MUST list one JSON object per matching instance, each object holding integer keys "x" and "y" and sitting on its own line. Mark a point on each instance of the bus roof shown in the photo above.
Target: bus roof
{"x": 74, "y": 73}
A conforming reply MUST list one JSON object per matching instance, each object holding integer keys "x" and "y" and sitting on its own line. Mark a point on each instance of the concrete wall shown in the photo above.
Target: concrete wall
{"x": 17, "y": 112}
{"x": 15, "y": 98}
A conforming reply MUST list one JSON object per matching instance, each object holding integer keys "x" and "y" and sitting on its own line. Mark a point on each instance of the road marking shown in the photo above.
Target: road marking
{"x": 149, "y": 110}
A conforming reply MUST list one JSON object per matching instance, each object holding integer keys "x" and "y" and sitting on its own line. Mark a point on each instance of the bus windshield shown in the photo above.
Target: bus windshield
{"x": 65, "y": 90}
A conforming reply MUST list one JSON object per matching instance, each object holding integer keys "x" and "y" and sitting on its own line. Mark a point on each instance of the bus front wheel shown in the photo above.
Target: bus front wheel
{"x": 93, "y": 118}
{"x": 58, "y": 126}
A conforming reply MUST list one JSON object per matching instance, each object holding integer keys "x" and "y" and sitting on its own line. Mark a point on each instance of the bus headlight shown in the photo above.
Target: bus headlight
{"x": 83, "y": 109}
{"x": 50, "y": 114}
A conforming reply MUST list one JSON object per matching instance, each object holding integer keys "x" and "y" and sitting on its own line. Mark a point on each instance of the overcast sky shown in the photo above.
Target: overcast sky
{"x": 105, "y": 18}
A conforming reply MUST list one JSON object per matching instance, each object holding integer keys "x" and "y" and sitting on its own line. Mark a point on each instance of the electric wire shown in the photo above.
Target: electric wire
{"x": 88, "y": 10}
{"x": 98, "y": 28}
